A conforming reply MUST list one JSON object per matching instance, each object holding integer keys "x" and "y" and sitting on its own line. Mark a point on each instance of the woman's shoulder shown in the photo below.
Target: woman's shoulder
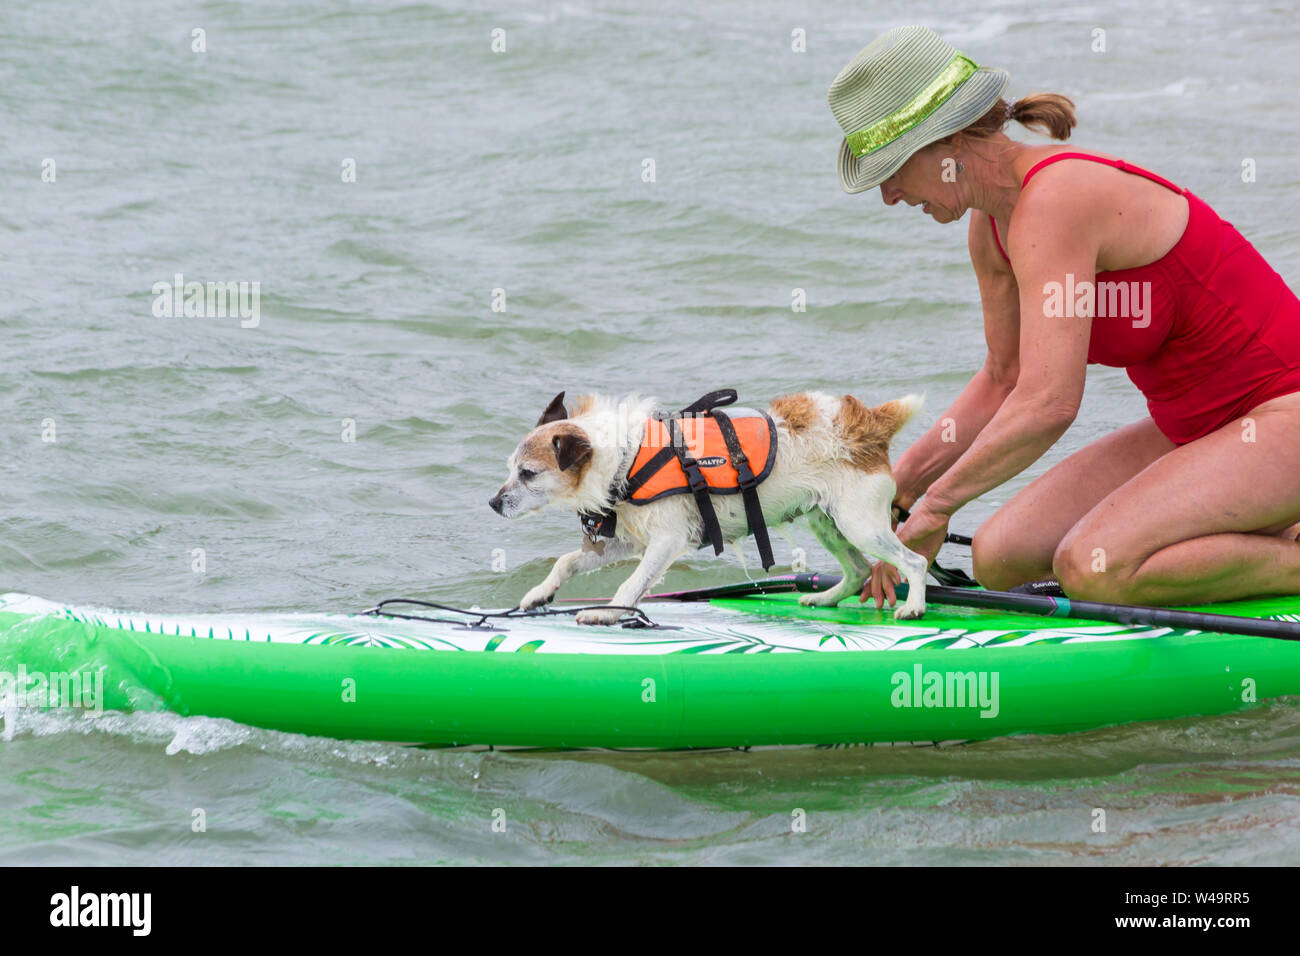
{"x": 1076, "y": 204}
{"x": 1066, "y": 194}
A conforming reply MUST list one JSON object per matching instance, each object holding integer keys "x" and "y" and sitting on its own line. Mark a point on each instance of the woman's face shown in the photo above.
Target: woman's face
{"x": 928, "y": 179}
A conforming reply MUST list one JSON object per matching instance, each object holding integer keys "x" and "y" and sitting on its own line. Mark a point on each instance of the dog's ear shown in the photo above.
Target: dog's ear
{"x": 570, "y": 449}
{"x": 554, "y": 411}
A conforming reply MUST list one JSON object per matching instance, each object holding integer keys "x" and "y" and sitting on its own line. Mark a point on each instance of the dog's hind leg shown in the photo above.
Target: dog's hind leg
{"x": 859, "y": 506}
{"x": 856, "y": 568}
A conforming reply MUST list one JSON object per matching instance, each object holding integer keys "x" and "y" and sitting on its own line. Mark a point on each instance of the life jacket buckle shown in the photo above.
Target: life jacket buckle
{"x": 745, "y": 477}
{"x": 694, "y": 477}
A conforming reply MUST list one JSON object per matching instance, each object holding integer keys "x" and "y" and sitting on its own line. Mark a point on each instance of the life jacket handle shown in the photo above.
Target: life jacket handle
{"x": 721, "y": 396}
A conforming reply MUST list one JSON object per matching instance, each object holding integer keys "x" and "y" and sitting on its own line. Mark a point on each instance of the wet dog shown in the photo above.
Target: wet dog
{"x": 832, "y": 465}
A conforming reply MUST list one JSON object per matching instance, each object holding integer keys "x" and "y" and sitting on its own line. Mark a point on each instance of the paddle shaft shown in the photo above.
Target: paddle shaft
{"x": 1042, "y": 604}
{"x": 1129, "y": 614}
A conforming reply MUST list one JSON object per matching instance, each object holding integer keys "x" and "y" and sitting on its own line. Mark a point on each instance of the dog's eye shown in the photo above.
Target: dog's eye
{"x": 525, "y": 474}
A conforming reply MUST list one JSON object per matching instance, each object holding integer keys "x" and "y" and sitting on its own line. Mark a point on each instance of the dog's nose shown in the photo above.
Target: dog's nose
{"x": 495, "y": 503}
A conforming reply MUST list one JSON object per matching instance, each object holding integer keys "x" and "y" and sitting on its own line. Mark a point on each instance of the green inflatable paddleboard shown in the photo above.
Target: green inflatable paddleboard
{"x": 738, "y": 672}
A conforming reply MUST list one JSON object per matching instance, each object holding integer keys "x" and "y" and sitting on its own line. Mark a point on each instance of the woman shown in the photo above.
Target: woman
{"x": 1083, "y": 258}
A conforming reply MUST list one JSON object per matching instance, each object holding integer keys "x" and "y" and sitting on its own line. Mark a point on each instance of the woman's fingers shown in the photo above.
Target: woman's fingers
{"x": 924, "y": 535}
{"x": 881, "y": 585}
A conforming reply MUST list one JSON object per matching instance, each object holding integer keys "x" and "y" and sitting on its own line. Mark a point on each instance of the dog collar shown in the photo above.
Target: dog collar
{"x": 602, "y": 524}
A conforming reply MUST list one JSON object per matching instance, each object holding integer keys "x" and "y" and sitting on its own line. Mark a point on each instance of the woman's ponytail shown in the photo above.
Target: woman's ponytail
{"x": 1048, "y": 113}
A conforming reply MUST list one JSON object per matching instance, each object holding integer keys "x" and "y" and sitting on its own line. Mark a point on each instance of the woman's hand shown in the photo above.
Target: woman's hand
{"x": 923, "y": 532}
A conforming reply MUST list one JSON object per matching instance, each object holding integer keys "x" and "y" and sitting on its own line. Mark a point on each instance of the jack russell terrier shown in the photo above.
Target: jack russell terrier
{"x": 827, "y": 458}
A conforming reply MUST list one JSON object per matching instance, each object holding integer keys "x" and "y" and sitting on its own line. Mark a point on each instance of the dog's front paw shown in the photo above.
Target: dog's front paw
{"x": 599, "y": 615}
{"x": 536, "y": 598}
{"x": 821, "y": 599}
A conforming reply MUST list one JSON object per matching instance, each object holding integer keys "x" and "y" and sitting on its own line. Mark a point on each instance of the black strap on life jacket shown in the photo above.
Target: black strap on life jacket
{"x": 697, "y": 483}
{"x": 647, "y": 471}
{"x": 748, "y": 488}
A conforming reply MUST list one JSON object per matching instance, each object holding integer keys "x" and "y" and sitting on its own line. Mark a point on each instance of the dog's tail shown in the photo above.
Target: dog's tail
{"x": 894, "y": 415}
{"x": 867, "y": 431}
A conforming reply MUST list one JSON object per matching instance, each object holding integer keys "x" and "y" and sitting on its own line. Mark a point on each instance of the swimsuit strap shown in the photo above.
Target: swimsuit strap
{"x": 1057, "y": 157}
{"x": 994, "y": 223}
{"x": 1117, "y": 163}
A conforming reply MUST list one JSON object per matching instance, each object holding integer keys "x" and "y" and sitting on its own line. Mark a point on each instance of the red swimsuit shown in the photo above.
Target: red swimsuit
{"x": 1221, "y": 333}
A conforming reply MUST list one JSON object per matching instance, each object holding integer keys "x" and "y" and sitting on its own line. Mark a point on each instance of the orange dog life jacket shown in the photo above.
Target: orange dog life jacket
{"x": 702, "y": 451}
{"x": 657, "y": 471}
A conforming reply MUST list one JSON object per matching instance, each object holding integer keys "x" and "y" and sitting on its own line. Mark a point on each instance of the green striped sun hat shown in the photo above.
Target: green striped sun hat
{"x": 905, "y": 90}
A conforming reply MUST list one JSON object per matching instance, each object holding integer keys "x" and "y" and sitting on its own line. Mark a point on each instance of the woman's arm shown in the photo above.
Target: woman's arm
{"x": 1054, "y": 238}
{"x": 931, "y": 455}
{"x": 948, "y": 438}
{"x": 1053, "y": 233}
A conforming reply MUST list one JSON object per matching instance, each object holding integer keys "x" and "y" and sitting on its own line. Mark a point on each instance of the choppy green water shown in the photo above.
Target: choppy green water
{"x": 522, "y": 171}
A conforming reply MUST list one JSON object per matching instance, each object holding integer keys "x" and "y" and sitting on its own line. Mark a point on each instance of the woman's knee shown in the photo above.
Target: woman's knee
{"x": 987, "y": 558}
{"x": 1003, "y": 558}
{"x": 1089, "y": 572}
